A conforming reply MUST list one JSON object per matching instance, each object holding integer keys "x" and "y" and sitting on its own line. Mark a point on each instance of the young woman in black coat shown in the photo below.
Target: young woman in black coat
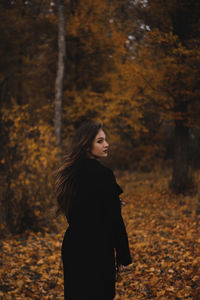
{"x": 95, "y": 244}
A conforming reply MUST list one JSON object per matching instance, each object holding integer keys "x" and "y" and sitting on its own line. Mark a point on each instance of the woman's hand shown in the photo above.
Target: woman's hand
{"x": 122, "y": 202}
{"x": 120, "y": 269}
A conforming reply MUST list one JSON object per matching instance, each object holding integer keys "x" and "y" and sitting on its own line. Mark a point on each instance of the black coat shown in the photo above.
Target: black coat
{"x": 96, "y": 239}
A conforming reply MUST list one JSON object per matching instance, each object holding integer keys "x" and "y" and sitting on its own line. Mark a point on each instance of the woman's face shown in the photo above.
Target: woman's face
{"x": 99, "y": 145}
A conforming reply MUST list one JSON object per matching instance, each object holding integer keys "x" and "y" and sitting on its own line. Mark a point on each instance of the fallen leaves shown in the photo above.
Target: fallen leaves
{"x": 163, "y": 237}
{"x": 32, "y": 267}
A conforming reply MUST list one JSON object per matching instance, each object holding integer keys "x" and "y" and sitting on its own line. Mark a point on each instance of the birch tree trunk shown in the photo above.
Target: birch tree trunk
{"x": 60, "y": 71}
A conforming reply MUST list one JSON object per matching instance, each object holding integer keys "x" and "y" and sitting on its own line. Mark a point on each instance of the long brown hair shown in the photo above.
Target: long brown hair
{"x": 66, "y": 177}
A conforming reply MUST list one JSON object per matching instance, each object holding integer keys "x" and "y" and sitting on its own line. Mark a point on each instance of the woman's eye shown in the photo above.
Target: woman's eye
{"x": 99, "y": 142}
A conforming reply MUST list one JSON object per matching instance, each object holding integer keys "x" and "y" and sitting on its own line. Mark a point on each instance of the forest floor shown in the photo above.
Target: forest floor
{"x": 163, "y": 232}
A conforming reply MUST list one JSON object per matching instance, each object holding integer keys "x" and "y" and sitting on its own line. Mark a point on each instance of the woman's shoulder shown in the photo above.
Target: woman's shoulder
{"x": 93, "y": 167}
{"x": 95, "y": 174}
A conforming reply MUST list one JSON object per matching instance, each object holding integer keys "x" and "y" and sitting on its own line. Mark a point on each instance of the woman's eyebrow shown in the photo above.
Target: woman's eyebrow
{"x": 100, "y": 138}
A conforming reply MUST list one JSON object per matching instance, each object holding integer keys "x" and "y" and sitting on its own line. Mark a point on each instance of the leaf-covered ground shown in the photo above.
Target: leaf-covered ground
{"x": 164, "y": 239}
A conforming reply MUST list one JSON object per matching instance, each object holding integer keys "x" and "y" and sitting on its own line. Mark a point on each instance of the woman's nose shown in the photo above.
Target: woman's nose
{"x": 106, "y": 144}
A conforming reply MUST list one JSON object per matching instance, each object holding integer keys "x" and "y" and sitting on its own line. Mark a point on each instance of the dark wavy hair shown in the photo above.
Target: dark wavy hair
{"x": 66, "y": 176}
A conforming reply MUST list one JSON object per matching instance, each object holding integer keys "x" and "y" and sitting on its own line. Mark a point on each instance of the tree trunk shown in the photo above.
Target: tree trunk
{"x": 180, "y": 180}
{"x": 60, "y": 71}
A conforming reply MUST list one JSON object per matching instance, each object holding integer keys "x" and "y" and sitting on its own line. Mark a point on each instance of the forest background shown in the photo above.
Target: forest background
{"x": 134, "y": 65}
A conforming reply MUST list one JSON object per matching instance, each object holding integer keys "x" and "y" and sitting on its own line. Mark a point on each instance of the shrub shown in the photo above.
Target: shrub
{"x": 29, "y": 158}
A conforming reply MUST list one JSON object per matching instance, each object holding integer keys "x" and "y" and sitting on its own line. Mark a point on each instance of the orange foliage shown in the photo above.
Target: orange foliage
{"x": 30, "y": 159}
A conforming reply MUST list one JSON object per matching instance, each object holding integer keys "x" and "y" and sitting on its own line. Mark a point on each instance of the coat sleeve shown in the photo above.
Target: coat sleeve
{"x": 99, "y": 207}
{"x": 121, "y": 243}
{"x": 123, "y": 256}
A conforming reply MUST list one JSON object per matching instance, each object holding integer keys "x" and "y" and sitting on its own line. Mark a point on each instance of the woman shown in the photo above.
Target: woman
{"x": 96, "y": 241}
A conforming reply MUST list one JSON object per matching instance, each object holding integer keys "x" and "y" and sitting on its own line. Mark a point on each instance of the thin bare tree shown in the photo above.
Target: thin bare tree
{"x": 60, "y": 70}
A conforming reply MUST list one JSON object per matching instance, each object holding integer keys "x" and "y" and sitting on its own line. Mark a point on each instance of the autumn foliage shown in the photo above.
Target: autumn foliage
{"x": 29, "y": 161}
{"x": 135, "y": 66}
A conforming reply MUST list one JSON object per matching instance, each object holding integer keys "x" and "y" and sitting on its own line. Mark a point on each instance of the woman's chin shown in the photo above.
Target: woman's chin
{"x": 105, "y": 155}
